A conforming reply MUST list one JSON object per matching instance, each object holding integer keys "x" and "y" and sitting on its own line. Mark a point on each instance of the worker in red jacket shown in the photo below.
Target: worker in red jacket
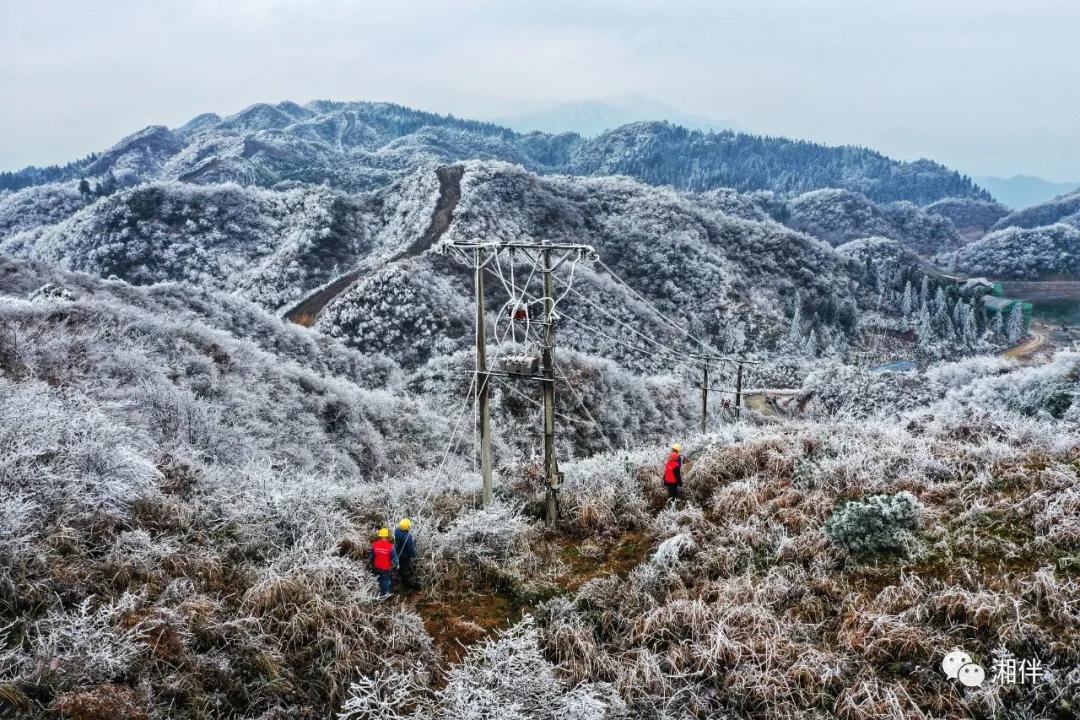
{"x": 673, "y": 473}
{"x": 384, "y": 559}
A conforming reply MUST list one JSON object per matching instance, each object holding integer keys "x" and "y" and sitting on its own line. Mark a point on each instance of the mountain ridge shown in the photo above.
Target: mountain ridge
{"x": 359, "y": 146}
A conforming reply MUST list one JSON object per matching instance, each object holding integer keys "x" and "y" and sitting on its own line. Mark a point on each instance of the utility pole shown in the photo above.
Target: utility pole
{"x": 483, "y": 390}
{"x": 738, "y": 391}
{"x": 547, "y": 360}
{"x": 548, "y": 257}
{"x": 704, "y": 397}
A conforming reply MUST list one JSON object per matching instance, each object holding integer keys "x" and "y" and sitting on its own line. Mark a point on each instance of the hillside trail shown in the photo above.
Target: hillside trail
{"x": 307, "y": 310}
{"x": 457, "y": 618}
{"x": 1026, "y": 350}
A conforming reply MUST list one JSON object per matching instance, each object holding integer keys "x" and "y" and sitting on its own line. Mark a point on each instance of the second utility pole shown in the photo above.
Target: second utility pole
{"x": 705, "y": 397}
{"x": 547, "y": 358}
{"x": 483, "y": 390}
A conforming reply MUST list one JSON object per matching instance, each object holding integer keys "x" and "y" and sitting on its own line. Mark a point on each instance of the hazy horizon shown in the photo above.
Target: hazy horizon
{"x": 981, "y": 87}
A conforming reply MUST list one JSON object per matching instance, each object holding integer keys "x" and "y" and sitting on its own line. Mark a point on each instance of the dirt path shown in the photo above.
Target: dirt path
{"x": 307, "y": 310}
{"x": 1038, "y": 339}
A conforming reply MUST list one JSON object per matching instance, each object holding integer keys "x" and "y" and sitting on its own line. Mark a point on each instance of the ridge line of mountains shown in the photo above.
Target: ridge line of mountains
{"x": 357, "y": 146}
{"x": 324, "y": 214}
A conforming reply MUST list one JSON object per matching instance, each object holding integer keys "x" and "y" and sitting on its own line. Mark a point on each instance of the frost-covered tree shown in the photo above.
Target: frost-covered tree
{"x": 907, "y": 302}
{"x": 810, "y": 346}
{"x": 794, "y": 339}
{"x": 1015, "y": 329}
{"x": 943, "y": 324}
{"x": 967, "y": 328}
{"x": 996, "y": 326}
{"x": 940, "y": 301}
{"x": 1030, "y": 253}
{"x": 924, "y": 328}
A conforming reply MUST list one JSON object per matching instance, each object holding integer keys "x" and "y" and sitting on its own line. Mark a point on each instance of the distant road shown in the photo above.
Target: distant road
{"x": 1038, "y": 338}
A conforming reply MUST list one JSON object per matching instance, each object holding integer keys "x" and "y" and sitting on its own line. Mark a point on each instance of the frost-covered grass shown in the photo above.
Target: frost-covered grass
{"x": 187, "y": 487}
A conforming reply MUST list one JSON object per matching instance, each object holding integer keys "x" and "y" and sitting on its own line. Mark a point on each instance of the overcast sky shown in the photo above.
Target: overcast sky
{"x": 986, "y": 86}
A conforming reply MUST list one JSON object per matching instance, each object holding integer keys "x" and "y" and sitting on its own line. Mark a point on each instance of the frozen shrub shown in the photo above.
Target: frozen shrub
{"x": 665, "y": 562}
{"x": 52, "y": 291}
{"x": 509, "y": 678}
{"x": 388, "y": 695}
{"x": 675, "y": 520}
{"x": 87, "y": 465}
{"x": 81, "y": 647}
{"x": 13, "y": 660}
{"x": 850, "y": 392}
{"x": 492, "y": 543}
{"x": 136, "y": 554}
{"x": 877, "y": 524}
{"x": 105, "y": 702}
{"x": 19, "y": 515}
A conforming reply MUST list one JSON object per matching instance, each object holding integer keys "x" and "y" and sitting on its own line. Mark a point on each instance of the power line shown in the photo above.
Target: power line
{"x": 637, "y": 348}
{"x": 631, "y": 328}
{"x": 654, "y": 308}
{"x": 581, "y": 403}
{"x": 451, "y": 444}
{"x": 510, "y": 386}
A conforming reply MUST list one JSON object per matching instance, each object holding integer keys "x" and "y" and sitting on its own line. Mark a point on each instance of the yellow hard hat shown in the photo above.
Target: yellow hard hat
{"x": 677, "y": 447}
{"x": 405, "y": 523}
{"x": 384, "y": 532}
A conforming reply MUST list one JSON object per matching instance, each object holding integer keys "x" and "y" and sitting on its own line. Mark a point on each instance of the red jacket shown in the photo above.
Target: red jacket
{"x": 383, "y": 555}
{"x": 673, "y": 469}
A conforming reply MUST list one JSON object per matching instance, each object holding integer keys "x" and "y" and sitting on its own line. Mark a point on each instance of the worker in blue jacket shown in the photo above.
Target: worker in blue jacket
{"x": 405, "y": 544}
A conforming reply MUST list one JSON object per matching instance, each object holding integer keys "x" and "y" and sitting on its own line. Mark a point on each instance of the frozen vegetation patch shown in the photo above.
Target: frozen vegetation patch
{"x": 876, "y": 525}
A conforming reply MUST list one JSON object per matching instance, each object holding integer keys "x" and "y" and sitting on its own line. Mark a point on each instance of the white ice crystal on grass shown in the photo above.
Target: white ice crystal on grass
{"x": 81, "y": 646}
{"x": 20, "y": 515}
{"x": 510, "y": 678}
{"x": 94, "y": 464}
{"x": 389, "y": 695}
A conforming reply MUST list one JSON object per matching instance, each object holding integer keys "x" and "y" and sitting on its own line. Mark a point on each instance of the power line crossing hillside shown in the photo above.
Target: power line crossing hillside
{"x": 538, "y": 338}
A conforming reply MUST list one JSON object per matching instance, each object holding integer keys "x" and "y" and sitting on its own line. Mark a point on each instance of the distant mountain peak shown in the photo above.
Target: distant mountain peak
{"x": 593, "y": 116}
{"x": 1023, "y": 191}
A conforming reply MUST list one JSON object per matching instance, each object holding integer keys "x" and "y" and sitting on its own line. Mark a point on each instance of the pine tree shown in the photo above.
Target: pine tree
{"x": 970, "y": 328}
{"x": 996, "y": 326}
{"x": 940, "y": 303}
{"x": 795, "y": 336}
{"x": 924, "y": 328}
{"x": 810, "y": 348}
{"x": 978, "y": 310}
{"x": 943, "y": 324}
{"x": 906, "y": 304}
{"x": 924, "y": 292}
{"x": 1016, "y": 324}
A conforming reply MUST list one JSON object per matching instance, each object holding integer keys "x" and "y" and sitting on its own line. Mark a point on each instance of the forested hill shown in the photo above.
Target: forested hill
{"x": 363, "y": 146}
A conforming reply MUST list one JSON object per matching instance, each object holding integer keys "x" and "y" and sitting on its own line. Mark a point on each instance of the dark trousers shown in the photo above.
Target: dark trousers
{"x": 407, "y": 573}
{"x": 384, "y": 581}
{"x": 672, "y": 491}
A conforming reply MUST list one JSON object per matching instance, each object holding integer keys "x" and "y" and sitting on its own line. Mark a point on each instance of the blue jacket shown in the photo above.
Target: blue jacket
{"x": 404, "y": 544}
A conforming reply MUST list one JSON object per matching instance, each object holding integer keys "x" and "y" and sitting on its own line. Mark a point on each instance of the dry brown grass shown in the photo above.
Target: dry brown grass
{"x": 105, "y": 702}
